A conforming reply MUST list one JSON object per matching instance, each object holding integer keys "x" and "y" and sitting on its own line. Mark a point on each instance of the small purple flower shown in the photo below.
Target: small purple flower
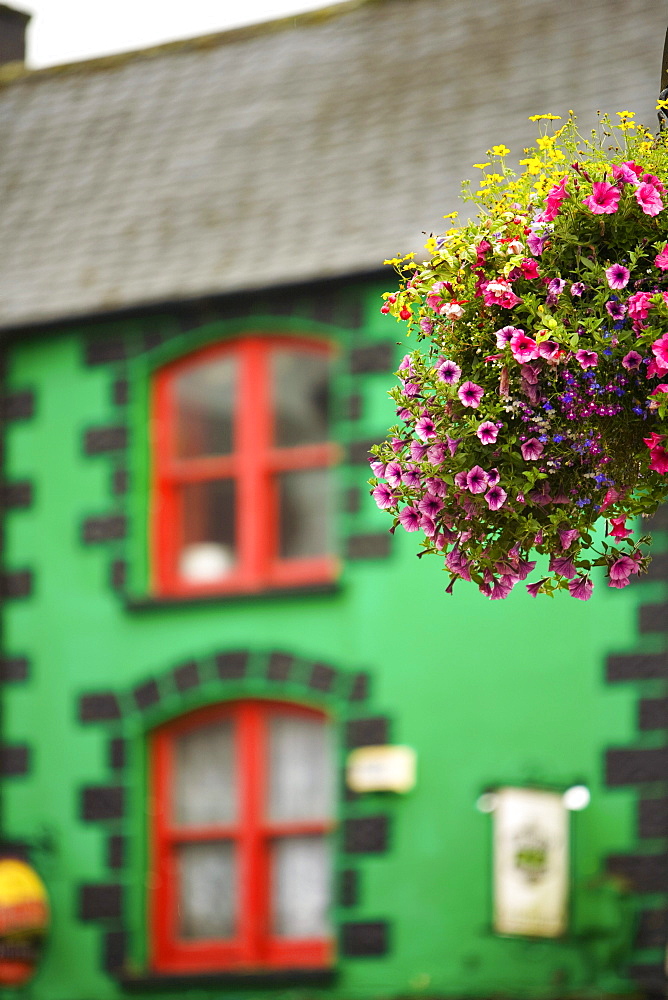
{"x": 495, "y": 497}
{"x": 577, "y": 288}
{"x": 448, "y": 372}
{"x": 436, "y": 453}
{"x": 471, "y": 394}
{"x": 411, "y": 389}
{"x": 428, "y": 525}
{"x": 425, "y": 428}
{"x": 487, "y": 432}
{"x": 377, "y": 467}
{"x": 587, "y": 359}
{"x": 556, "y": 286}
{"x": 567, "y": 536}
{"x": 581, "y": 588}
{"x": 436, "y": 486}
{"x": 460, "y": 481}
{"x": 393, "y": 473}
{"x": 383, "y": 496}
{"x": 523, "y": 568}
{"x": 616, "y": 309}
{"x": 618, "y": 276}
{"x": 418, "y": 451}
{"x": 563, "y": 565}
{"x": 409, "y": 518}
{"x": 505, "y": 335}
{"x": 493, "y": 477}
{"x": 501, "y": 588}
{"x": 411, "y": 476}
{"x": 476, "y": 480}
{"x": 405, "y": 364}
{"x": 430, "y": 505}
{"x": 397, "y": 445}
{"x": 453, "y": 444}
{"x": 531, "y": 449}
{"x": 533, "y": 588}
{"x": 536, "y": 243}
{"x": 632, "y": 360}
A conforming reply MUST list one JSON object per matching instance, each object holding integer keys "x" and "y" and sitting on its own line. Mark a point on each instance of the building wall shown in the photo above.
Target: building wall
{"x": 488, "y": 693}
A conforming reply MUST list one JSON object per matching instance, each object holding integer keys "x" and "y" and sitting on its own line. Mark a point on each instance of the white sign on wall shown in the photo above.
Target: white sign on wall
{"x": 531, "y": 866}
{"x": 381, "y": 769}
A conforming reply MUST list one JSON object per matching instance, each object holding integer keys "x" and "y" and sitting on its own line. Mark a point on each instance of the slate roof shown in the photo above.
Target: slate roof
{"x": 307, "y": 148}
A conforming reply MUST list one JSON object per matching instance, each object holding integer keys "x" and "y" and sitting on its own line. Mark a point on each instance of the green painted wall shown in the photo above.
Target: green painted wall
{"x": 486, "y": 692}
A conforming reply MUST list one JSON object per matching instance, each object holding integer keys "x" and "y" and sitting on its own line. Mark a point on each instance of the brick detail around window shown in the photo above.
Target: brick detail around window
{"x": 16, "y": 496}
{"x": 17, "y": 405}
{"x": 120, "y": 392}
{"x": 630, "y": 767}
{"x": 120, "y": 481}
{"x": 116, "y": 753}
{"x": 102, "y": 802}
{"x": 653, "y": 818}
{"x": 99, "y": 440}
{"x": 105, "y": 351}
{"x": 352, "y": 500}
{"x": 14, "y": 669}
{"x": 14, "y": 760}
{"x": 118, "y": 574}
{"x": 652, "y": 929}
{"x": 16, "y": 585}
{"x": 637, "y": 666}
{"x": 352, "y": 406}
{"x": 658, "y": 568}
{"x": 147, "y": 695}
{"x": 366, "y": 834}
{"x": 645, "y": 872}
{"x": 100, "y": 902}
{"x": 371, "y": 732}
{"x": 116, "y": 851}
{"x": 349, "y": 887}
{"x": 372, "y": 358}
{"x": 359, "y": 452}
{"x": 359, "y": 689}
{"x": 376, "y": 546}
{"x": 114, "y": 949}
{"x": 322, "y": 677}
{"x": 653, "y": 713}
{"x": 359, "y": 940}
{"x": 231, "y": 666}
{"x": 186, "y": 676}
{"x": 279, "y": 666}
{"x": 653, "y": 617}
{"x": 651, "y": 979}
{"x": 104, "y": 529}
{"x": 100, "y": 706}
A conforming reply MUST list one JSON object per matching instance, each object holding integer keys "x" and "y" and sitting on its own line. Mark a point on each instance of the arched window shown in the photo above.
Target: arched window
{"x": 241, "y": 469}
{"x": 241, "y": 849}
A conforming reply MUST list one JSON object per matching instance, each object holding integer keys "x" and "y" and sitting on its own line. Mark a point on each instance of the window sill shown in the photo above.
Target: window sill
{"x": 267, "y": 979}
{"x": 304, "y": 590}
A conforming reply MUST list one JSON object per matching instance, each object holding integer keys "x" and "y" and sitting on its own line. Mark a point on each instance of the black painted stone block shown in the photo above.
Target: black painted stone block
{"x": 364, "y": 939}
{"x": 645, "y": 872}
{"x": 116, "y": 851}
{"x": 120, "y": 481}
{"x": 104, "y": 529}
{"x": 370, "y": 732}
{"x": 100, "y": 902}
{"x": 352, "y": 409}
{"x": 352, "y": 500}
{"x": 104, "y": 351}
{"x": 653, "y": 713}
{"x": 279, "y": 666}
{"x": 652, "y": 929}
{"x": 17, "y": 405}
{"x": 349, "y": 887}
{"x": 14, "y": 669}
{"x": 322, "y": 677}
{"x": 16, "y": 585}
{"x": 99, "y": 440}
{"x": 120, "y": 391}
{"x": 651, "y": 979}
{"x": 102, "y": 802}
{"x": 653, "y": 818}
{"x": 359, "y": 689}
{"x": 653, "y": 618}
{"x": 147, "y": 694}
{"x": 117, "y": 753}
{"x": 100, "y": 706}
{"x": 231, "y": 666}
{"x": 114, "y": 950}
{"x": 186, "y": 676}
{"x": 370, "y": 546}
{"x": 118, "y": 574}
{"x": 366, "y": 834}
{"x": 14, "y": 759}
{"x": 16, "y": 496}
{"x": 372, "y": 358}
{"x": 658, "y": 568}
{"x": 637, "y": 666}
{"x": 630, "y": 767}
{"x": 359, "y": 452}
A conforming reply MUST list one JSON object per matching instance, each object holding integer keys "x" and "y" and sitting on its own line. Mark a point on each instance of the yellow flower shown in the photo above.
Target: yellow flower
{"x": 481, "y": 166}
{"x": 551, "y": 118}
{"x": 533, "y": 164}
{"x": 498, "y": 151}
{"x": 545, "y": 141}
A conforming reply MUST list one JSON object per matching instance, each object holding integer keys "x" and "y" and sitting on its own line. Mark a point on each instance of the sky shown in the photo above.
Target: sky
{"x": 69, "y": 30}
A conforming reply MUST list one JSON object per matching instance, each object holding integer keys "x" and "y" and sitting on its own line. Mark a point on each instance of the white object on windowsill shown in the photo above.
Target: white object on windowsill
{"x": 381, "y": 769}
{"x": 205, "y": 562}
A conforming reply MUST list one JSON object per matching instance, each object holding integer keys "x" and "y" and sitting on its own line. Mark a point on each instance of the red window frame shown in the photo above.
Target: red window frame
{"x": 253, "y": 947}
{"x": 254, "y": 465}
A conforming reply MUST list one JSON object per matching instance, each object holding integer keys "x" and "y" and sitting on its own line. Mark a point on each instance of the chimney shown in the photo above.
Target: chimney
{"x": 13, "y": 24}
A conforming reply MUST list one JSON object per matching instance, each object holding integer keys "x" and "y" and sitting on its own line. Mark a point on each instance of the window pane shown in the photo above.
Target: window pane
{"x": 209, "y": 510}
{"x": 305, "y": 513}
{"x": 205, "y": 790}
{"x": 300, "y": 381}
{"x": 205, "y": 400}
{"x": 207, "y": 890}
{"x": 301, "y": 768}
{"x": 301, "y": 887}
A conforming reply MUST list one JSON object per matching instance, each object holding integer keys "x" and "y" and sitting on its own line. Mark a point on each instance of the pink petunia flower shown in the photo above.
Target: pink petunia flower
{"x": 616, "y": 309}
{"x": 581, "y": 588}
{"x": 604, "y": 199}
{"x": 649, "y": 199}
{"x": 532, "y": 449}
{"x": 487, "y": 432}
{"x": 639, "y": 305}
{"x": 393, "y": 473}
{"x": 453, "y": 444}
{"x": 523, "y": 348}
{"x": 586, "y": 359}
{"x": 436, "y": 486}
{"x": 495, "y": 497}
{"x": 661, "y": 259}
{"x": 660, "y": 351}
{"x": 448, "y": 372}
{"x": 409, "y": 519}
{"x": 493, "y": 477}
{"x": 529, "y": 268}
{"x": 625, "y": 172}
{"x": 654, "y": 180}
{"x": 619, "y": 529}
{"x": 425, "y": 428}
{"x": 460, "y": 480}
{"x": 418, "y": 450}
{"x": 436, "y": 453}
{"x": 555, "y": 196}
{"x": 470, "y": 394}
{"x": 476, "y": 480}
{"x": 632, "y": 360}
{"x": 383, "y": 496}
{"x": 378, "y": 468}
{"x": 577, "y": 288}
{"x": 617, "y": 276}
{"x": 659, "y": 461}
{"x": 505, "y": 335}
{"x": 411, "y": 476}
{"x": 533, "y": 588}
{"x": 499, "y": 292}
{"x": 430, "y": 505}
{"x": 567, "y": 536}
{"x": 563, "y": 565}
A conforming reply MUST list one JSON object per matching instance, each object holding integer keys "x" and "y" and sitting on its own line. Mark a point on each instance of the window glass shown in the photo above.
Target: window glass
{"x": 207, "y": 880}
{"x": 209, "y": 514}
{"x": 205, "y": 788}
{"x": 205, "y": 403}
{"x": 305, "y": 513}
{"x": 301, "y": 888}
{"x": 301, "y": 768}
{"x": 301, "y": 398}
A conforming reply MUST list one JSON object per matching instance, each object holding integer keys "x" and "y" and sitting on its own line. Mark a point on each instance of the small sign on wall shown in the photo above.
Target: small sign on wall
{"x": 531, "y": 866}
{"x": 381, "y": 769}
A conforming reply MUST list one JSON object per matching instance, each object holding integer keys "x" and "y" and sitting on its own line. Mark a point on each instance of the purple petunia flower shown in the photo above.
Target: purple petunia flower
{"x": 453, "y": 444}
{"x": 563, "y": 565}
{"x": 411, "y": 476}
{"x": 577, "y": 288}
{"x": 556, "y": 286}
{"x": 505, "y": 335}
{"x": 448, "y": 372}
{"x": 567, "y": 536}
{"x": 501, "y": 588}
{"x": 436, "y": 486}
{"x": 383, "y": 496}
{"x": 587, "y": 359}
{"x": 604, "y": 199}
{"x": 405, "y": 365}
{"x": 409, "y": 518}
{"x": 425, "y": 428}
{"x": 632, "y": 360}
{"x": 393, "y": 473}
{"x": 377, "y": 467}
{"x": 617, "y": 276}
{"x": 471, "y": 394}
{"x": 487, "y": 432}
{"x": 581, "y": 588}
{"x": 428, "y": 525}
{"x": 460, "y": 480}
{"x": 430, "y": 505}
{"x": 418, "y": 450}
{"x": 436, "y": 453}
{"x": 533, "y": 588}
{"x": 476, "y": 480}
{"x": 493, "y": 477}
{"x": 649, "y": 199}
{"x": 531, "y": 449}
{"x": 411, "y": 389}
{"x": 495, "y": 497}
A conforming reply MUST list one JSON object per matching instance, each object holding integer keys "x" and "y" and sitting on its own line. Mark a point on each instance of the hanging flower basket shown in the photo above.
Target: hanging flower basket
{"x": 537, "y": 404}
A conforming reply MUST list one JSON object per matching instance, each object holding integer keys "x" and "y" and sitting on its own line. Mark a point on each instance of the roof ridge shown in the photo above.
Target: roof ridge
{"x": 13, "y": 72}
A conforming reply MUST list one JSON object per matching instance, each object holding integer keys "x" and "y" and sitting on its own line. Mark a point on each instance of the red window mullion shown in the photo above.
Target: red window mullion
{"x": 253, "y": 441}
{"x": 253, "y": 848}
